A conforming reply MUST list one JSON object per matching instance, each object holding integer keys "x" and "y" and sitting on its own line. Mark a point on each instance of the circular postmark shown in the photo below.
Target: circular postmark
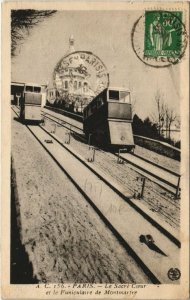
{"x": 83, "y": 66}
{"x": 174, "y": 274}
{"x": 159, "y": 38}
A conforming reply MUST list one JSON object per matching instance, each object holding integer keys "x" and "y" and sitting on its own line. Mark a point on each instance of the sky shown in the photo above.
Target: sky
{"x": 108, "y": 35}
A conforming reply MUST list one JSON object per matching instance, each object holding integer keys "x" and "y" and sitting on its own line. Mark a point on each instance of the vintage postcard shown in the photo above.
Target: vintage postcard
{"x": 95, "y": 150}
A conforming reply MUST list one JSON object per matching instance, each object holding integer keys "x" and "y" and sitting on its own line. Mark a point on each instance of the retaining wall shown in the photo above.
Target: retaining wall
{"x": 158, "y": 146}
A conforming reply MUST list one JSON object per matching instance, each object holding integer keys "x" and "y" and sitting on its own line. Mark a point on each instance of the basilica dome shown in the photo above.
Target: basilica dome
{"x": 79, "y": 75}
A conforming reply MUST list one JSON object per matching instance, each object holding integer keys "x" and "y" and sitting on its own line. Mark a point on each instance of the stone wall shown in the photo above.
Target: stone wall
{"x": 158, "y": 146}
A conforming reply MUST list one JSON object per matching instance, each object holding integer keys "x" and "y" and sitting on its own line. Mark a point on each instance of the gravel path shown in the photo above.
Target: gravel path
{"x": 161, "y": 202}
{"x": 65, "y": 239}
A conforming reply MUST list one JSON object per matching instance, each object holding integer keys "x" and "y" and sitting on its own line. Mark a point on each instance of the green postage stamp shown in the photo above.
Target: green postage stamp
{"x": 159, "y": 37}
{"x": 163, "y": 34}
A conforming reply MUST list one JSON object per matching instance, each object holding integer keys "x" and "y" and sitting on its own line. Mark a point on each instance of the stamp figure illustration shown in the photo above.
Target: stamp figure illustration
{"x": 163, "y": 33}
{"x": 159, "y": 38}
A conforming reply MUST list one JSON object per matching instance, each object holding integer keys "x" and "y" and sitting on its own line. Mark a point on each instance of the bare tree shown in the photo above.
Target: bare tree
{"x": 22, "y": 20}
{"x": 178, "y": 122}
{"x": 166, "y": 121}
{"x": 133, "y": 104}
{"x": 159, "y": 116}
{"x": 133, "y": 98}
{"x": 170, "y": 117}
{"x": 164, "y": 116}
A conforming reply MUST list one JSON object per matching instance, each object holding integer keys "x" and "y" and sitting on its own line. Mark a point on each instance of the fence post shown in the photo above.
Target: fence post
{"x": 143, "y": 186}
{"x": 18, "y": 99}
{"x": 69, "y": 133}
{"x": 54, "y": 125}
{"x": 67, "y": 137}
{"x": 43, "y": 120}
{"x": 89, "y": 140}
{"x": 139, "y": 192}
{"x": 91, "y": 154}
{"x": 18, "y": 96}
{"x": 178, "y": 188}
{"x": 119, "y": 159}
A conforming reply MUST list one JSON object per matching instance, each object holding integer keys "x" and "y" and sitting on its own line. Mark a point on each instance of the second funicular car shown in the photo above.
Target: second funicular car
{"x": 108, "y": 119}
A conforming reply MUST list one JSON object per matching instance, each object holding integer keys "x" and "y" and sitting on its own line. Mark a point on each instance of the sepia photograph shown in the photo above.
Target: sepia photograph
{"x": 95, "y": 153}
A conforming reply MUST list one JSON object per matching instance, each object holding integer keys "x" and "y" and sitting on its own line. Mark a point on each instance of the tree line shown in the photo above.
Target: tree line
{"x": 159, "y": 125}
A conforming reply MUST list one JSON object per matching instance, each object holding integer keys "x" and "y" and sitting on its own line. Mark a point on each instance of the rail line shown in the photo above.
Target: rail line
{"x": 151, "y": 203}
{"x": 148, "y": 254}
{"x": 161, "y": 203}
{"x": 166, "y": 208}
{"x": 60, "y": 122}
{"x": 156, "y": 165}
{"x": 77, "y": 117}
{"x": 80, "y": 119}
{"x": 168, "y": 180}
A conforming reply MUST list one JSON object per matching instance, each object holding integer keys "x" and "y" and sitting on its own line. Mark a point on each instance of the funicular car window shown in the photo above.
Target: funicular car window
{"x": 124, "y": 96}
{"x": 37, "y": 89}
{"x": 29, "y": 88}
{"x": 113, "y": 95}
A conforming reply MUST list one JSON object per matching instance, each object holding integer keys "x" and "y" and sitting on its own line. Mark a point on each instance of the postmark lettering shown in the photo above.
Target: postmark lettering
{"x": 159, "y": 38}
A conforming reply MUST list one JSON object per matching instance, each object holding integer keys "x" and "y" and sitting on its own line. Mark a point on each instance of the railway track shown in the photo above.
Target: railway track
{"x": 150, "y": 202}
{"x": 127, "y": 222}
{"x": 166, "y": 178}
{"x": 69, "y": 114}
{"x": 65, "y": 124}
{"x": 156, "y": 165}
{"x": 159, "y": 201}
{"x": 163, "y": 203}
